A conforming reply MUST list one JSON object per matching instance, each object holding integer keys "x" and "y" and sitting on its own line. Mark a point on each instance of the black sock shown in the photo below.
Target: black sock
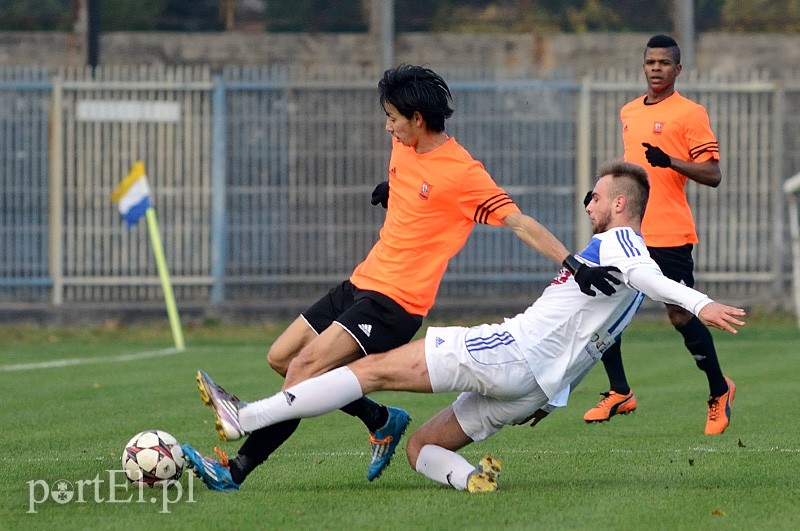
{"x": 241, "y": 466}
{"x": 700, "y": 343}
{"x": 258, "y": 446}
{"x": 612, "y": 362}
{"x": 373, "y": 415}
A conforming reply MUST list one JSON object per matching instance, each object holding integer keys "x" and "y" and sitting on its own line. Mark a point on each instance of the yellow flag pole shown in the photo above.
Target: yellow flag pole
{"x": 166, "y": 285}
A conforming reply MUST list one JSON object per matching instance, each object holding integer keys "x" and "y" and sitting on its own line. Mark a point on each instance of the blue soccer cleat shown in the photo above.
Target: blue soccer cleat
{"x": 384, "y": 441}
{"x": 215, "y": 474}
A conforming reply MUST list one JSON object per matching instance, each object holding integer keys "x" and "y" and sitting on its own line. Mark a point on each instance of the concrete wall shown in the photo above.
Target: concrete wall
{"x": 578, "y": 53}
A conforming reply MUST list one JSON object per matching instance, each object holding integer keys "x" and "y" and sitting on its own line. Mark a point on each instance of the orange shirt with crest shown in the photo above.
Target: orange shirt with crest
{"x": 435, "y": 199}
{"x": 680, "y": 127}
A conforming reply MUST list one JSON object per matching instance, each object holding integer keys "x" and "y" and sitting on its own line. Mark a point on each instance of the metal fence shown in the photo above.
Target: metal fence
{"x": 24, "y": 117}
{"x": 261, "y": 180}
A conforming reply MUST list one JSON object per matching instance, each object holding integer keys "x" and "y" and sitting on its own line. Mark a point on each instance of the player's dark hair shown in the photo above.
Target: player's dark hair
{"x": 665, "y": 41}
{"x": 412, "y": 89}
{"x": 631, "y": 181}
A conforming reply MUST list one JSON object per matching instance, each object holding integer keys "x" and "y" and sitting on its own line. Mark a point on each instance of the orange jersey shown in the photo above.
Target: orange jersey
{"x": 435, "y": 199}
{"x": 680, "y": 127}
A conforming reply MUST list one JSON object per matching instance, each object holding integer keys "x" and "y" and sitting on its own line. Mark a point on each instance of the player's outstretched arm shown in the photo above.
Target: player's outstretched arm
{"x": 652, "y": 283}
{"x": 536, "y": 236}
{"x": 541, "y": 240}
{"x": 721, "y": 316}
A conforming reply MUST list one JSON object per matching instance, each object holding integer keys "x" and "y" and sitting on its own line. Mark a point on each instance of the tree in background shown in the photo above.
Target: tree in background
{"x": 498, "y": 16}
{"x": 161, "y": 15}
{"x": 24, "y": 15}
{"x": 141, "y": 15}
{"x": 317, "y": 16}
{"x": 761, "y": 15}
{"x": 571, "y": 16}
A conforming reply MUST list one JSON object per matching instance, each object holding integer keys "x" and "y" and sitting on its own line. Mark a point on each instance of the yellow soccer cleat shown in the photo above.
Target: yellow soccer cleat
{"x": 485, "y": 476}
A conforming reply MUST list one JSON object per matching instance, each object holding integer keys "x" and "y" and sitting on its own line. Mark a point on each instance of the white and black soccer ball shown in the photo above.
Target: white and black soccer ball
{"x": 154, "y": 458}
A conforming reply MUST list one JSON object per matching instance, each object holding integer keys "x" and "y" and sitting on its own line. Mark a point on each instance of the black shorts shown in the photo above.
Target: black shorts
{"x": 675, "y": 262}
{"x": 375, "y": 321}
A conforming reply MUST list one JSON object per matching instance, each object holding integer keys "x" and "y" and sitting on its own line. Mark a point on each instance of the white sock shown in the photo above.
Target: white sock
{"x": 309, "y": 398}
{"x": 444, "y": 466}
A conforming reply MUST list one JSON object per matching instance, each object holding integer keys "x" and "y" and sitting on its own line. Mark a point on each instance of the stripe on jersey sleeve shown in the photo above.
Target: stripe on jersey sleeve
{"x": 489, "y": 206}
{"x": 708, "y": 147}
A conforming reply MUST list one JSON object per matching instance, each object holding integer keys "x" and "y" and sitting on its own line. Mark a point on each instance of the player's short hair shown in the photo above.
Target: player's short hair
{"x": 665, "y": 41}
{"x": 412, "y": 89}
{"x": 630, "y": 180}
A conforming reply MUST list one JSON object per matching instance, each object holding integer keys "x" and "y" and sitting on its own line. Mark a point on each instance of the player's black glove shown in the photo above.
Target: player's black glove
{"x": 589, "y": 277}
{"x": 587, "y": 198}
{"x": 381, "y": 194}
{"x": 656, "y": 157}
{"x": 537, "y": 417}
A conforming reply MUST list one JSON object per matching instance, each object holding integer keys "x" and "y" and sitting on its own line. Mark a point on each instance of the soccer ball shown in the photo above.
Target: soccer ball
{"x": 153, "y": 458}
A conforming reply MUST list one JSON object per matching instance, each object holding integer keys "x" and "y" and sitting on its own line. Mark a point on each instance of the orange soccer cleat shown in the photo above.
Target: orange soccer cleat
{"x": 719, "y": 410}
{"x": 612, "y": 404}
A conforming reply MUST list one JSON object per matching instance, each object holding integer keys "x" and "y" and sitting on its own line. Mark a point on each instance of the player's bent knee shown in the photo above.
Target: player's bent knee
{"x": 678, "y": 316}
{"x": 679, "y": 321}
{"x": 306, "y": 366}
{"x": 414, "y": 446}
{"x": 278, "y": 361}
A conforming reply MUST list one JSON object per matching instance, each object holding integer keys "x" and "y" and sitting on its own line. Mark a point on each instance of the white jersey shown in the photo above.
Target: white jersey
{"x": 508, "y": 371}
{"x": 565, "y": 331}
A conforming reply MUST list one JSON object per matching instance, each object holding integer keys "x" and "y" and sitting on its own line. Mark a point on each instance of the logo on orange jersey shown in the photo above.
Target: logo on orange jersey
{"x": 624, "y": 128}
{"x": 392, "y": 171}
{"x": 424, "y": 190}
{"x": 658, "y": 128}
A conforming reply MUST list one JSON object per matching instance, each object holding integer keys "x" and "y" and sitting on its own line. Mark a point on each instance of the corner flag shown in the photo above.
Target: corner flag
{"x": 133, "y": 195}
{"x": 133, "y": 198}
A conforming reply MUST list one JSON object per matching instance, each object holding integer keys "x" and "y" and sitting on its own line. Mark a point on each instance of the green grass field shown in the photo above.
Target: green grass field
{"x": 68, "y": 418}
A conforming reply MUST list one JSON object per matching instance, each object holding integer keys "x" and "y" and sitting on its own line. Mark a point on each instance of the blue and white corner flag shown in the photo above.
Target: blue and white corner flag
{"x": 133, "y": 195}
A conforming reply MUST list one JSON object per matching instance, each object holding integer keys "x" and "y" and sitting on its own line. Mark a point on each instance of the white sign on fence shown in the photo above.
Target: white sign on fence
{"x": 128, "y": 111}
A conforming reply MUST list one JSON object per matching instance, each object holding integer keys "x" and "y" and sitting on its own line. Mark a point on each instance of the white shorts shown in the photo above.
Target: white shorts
{"x": 485, "y": 362}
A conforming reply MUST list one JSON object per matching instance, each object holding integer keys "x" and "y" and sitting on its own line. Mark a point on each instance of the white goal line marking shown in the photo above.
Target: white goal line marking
{"x": 87, "y": 361}
{"x": 54, "y": 364}
{"x": 356, "y": 453}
